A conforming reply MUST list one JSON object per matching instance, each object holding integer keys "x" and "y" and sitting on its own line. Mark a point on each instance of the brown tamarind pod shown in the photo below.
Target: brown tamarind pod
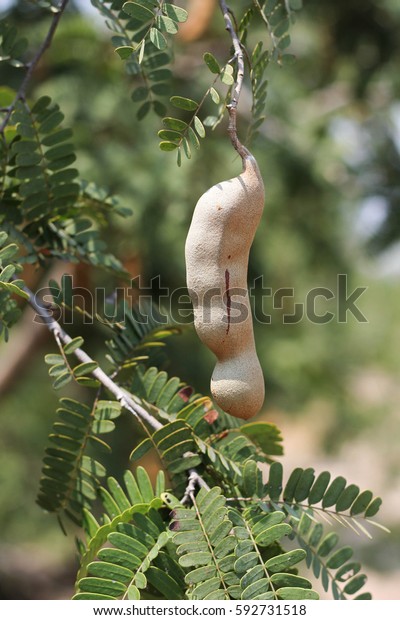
{"x": 217, "y": 248}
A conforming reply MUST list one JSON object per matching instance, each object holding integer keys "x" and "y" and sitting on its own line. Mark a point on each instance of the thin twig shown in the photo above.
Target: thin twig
{"x": 193, "y": 481}
{"x": 25, "y": 339}
{"x": 237, "y": 87}
{"x": 21, "y": 93}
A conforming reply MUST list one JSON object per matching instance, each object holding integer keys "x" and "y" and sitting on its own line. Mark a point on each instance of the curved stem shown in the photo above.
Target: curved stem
{"x": 237, "y": 87}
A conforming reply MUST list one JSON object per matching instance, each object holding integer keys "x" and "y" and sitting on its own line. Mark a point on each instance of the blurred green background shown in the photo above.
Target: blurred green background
{"x": 329, "y": 152}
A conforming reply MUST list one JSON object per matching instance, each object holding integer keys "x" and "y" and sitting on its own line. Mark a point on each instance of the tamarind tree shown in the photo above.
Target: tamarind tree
{"x": 222, "y": 520}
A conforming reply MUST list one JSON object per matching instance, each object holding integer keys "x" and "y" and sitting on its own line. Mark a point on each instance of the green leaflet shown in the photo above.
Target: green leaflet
{"x": 319, "y": 487}
{"x": 333, "y": 492}
{"x": 175, "y": 13}
{"x": 211, "y": 62}
{"x": 304, "y": 485}
{"x": 285, "y": 560}
{"x": 141, "y": 449}
{"x": 347, "y": 497}
{"x": 139, "y": 12}
{"x": 274, "y": 486}
{"x": 199, "y": 127}
{"x": 73, "y": 345}
{"x": 266, "y": 436}
{"x": 373, "y": 507}
{"x": 165, "y": 584}
{"x": 12, "y": 48}
{"x": 298, "y": 594}
{"x": 286, "y": 580}
{"x": 272, "y": 534}
{"x": 361, "y": 503}
{"x": 252, "y": 480}
{"x": 85, "y": 369}
{"x": 158, "y": 39}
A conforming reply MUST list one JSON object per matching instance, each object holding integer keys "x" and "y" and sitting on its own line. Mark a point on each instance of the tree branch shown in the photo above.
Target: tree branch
{"x": 121, "y": 395}
{"x": 60, "y": 335}
{"x": 237, "y": 87}
{"x": 25, "y": 339}
{"x": 34, "y": 62}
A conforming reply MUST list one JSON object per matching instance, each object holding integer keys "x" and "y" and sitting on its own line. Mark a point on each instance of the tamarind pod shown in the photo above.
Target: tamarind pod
{"x": 217, "y": 248}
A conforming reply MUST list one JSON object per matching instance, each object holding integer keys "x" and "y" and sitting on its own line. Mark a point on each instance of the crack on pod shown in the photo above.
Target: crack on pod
{"x": 228, "y": 300}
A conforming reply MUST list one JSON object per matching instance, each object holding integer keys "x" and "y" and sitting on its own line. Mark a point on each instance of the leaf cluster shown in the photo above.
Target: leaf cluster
{"x": 9, "y": 285}
{"x": 329, "y": 562}
{"x": 45, "y": 208}
{"x": 125, "y": 554}
{"x": 215, "y": 529}
{"x": 138, "y": 334}
{"x": 70, "y": 477}
{"x": 277, "y": 15}
{"x": 304, "y": 486}
{"x": 12, "y": 47}
{"x": 62, "y": 370}
{"x": 226, "y": 541}
{"x": 141, "y": 31}
{"x": 207, "y": 551}
{"x": 183, "y": 135}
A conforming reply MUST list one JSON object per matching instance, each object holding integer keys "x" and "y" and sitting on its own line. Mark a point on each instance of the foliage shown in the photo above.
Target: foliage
{"x": 226, "y": 541}
{"x": 9, "y": 286}
{"x": 70, "y": 477}
{"x": 224, "y": 545}
{"x": 215, "y": 529}
{"x": 218, "y": 551}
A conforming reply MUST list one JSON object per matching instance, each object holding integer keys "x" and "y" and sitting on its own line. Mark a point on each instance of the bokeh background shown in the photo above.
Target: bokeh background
{"x": 329, "y": 152}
